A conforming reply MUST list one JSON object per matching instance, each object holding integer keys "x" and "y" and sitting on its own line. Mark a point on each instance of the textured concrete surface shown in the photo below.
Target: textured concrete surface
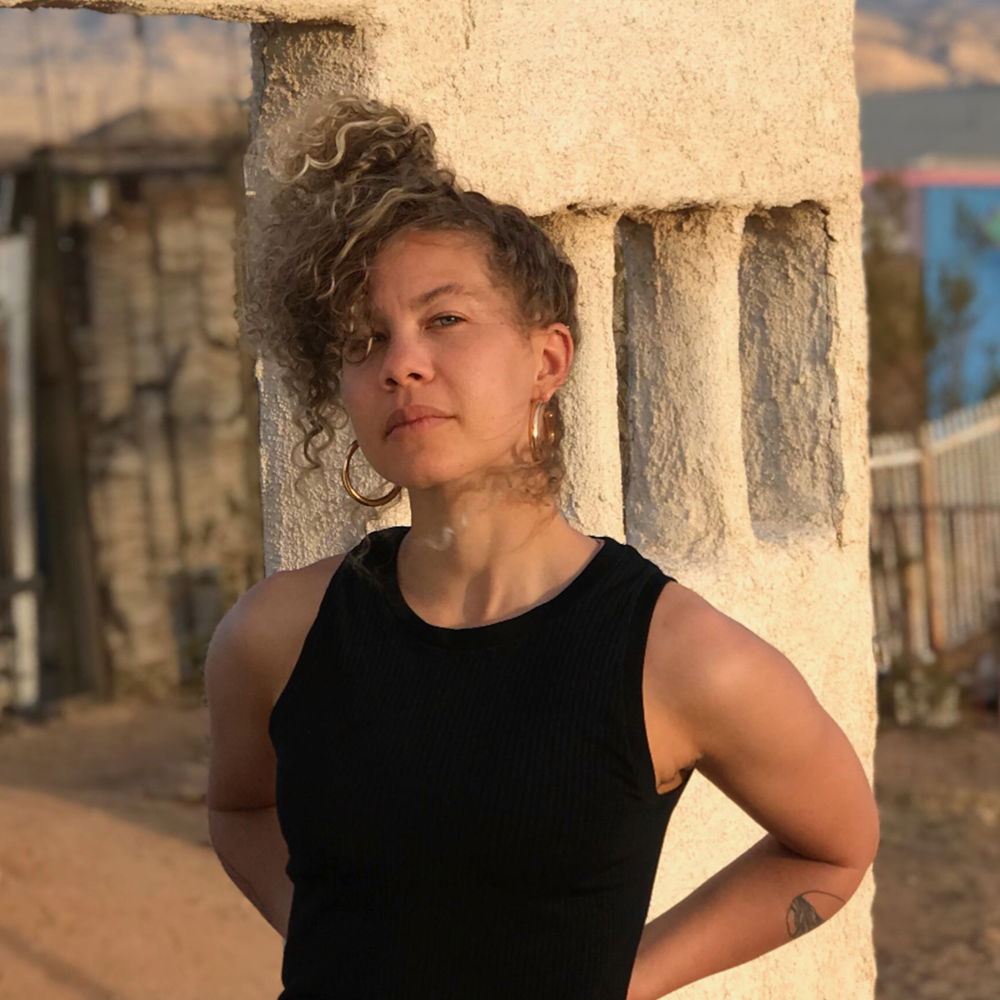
{"x": 719, "y": 144}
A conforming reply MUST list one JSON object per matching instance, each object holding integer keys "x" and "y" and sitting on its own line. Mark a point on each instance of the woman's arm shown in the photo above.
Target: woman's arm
{"x": 253, "y": 853}
{"x": 768, "y": 744}
{"x": 241, "y": 667}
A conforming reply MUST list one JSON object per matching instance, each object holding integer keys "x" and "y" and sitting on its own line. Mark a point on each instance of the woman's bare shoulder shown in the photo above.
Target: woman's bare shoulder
{"x": 697, "y": 656}
{"x": 252, "y": 652}
{"x": 689, "y": 634}
{"x": 267, "y": 625}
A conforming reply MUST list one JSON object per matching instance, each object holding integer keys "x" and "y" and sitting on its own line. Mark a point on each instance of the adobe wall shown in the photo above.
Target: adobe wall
{"x": 168, "y": 426}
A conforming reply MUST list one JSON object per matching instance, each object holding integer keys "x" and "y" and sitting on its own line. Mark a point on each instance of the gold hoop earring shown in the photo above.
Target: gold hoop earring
{"x": 367, "y": 501}
{"x": 541, "y": 431}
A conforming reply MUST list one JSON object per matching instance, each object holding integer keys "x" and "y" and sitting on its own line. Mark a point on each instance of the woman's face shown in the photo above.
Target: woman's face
{"x": 458, "y": 351}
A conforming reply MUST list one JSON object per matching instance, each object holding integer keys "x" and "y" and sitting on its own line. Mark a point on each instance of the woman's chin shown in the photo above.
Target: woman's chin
{"x": 424, "y": 474}
{"x": 418, "y": 474}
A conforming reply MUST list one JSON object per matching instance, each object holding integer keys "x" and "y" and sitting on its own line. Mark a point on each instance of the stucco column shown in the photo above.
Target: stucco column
{"x": 688, "y": 489}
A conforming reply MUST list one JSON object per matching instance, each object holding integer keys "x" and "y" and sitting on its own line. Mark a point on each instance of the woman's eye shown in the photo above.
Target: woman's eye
{"x": 361, "y": 346}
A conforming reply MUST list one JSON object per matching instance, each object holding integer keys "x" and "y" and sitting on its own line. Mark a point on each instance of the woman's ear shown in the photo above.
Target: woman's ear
{"x": 555, "y": 356}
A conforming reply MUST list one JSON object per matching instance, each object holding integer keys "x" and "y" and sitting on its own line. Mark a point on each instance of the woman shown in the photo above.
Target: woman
{"x": 461, "y": 742}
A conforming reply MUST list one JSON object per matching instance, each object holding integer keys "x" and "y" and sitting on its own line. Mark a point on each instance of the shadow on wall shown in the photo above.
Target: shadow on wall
{"x": 683, "y": 280}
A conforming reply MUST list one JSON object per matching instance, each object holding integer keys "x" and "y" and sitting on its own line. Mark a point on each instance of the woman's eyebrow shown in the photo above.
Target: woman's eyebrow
{"x": 451, "y": 286}
{"x": 424, "y": 297}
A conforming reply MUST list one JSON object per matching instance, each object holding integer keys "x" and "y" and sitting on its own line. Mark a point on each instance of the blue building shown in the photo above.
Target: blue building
{"x": 944, "y": 147}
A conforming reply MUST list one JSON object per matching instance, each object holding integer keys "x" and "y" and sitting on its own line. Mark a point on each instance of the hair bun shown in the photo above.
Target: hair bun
{"x": 351, "y": 137}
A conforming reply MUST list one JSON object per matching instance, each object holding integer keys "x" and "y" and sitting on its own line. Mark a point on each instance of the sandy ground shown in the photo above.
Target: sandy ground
{"x": 937, "y": 876}
{"x": 110, "y": 889}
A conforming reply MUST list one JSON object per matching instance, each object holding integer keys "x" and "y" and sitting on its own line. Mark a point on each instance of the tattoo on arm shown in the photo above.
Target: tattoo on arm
{"x": 802, "y": 916}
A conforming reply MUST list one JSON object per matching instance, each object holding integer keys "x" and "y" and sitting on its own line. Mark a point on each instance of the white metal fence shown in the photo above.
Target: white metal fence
{"x": 935, "y": 536}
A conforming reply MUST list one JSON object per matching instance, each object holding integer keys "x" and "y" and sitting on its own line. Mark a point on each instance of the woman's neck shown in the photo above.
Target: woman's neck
{"x": 476, "y": 567}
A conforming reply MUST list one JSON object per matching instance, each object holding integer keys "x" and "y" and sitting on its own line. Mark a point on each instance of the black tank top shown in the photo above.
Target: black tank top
{"x": 471, "y": 814}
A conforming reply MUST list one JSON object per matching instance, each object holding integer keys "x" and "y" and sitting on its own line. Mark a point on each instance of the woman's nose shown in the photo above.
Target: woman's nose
{"x": 405, "y": 357}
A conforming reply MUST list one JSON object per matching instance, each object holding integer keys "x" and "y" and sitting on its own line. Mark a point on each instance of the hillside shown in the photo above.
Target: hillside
{"x": 905, "y": 45}
{"x": 68, "y": 71}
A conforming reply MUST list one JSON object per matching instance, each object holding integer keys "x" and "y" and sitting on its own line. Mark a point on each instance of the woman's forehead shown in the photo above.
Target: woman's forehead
{"x": 438, "y": 264}
{"x": 476, "y": 292}
{"x": 458, "y": 243}
{"x": 428, "y": 282}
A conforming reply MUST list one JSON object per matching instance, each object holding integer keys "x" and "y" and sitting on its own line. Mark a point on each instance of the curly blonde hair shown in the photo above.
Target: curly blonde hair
{"x": 350, "y": 173}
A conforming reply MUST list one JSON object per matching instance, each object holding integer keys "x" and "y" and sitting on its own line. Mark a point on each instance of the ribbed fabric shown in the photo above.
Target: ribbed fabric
{"x": 471, "y": 814}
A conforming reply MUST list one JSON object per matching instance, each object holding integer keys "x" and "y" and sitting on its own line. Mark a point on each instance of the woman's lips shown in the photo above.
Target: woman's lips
{"x": 419, "y": 424}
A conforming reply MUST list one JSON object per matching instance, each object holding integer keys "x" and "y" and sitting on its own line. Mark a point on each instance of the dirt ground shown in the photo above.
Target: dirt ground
{"x": 937, "y": 876}
{"x": 110, "y": 889}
